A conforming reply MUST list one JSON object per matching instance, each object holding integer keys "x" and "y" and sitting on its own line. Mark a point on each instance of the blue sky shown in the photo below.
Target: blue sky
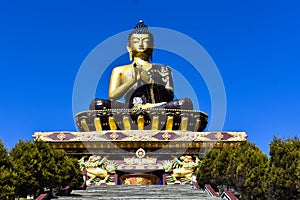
{"x": 255, "y": 45}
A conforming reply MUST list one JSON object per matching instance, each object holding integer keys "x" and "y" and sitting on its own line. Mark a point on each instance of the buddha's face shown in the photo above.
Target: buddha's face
{"x": 139, "y": 42}
{"x": 141, "y": 46}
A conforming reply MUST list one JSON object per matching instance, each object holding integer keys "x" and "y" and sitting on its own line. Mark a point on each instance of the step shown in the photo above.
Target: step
{"x": 138, "y": 192}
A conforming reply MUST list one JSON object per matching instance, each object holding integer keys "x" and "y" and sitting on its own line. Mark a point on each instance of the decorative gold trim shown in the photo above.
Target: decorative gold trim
{"x": 84, "y": 125}
{"x": 132, "y": 135}
{"x": 152, "y": 93}
{"x": 198, "y": 124}
{"x": 166, "y": 136}
{"x": 184, "y": 123}
{"x": 169, "y": 124}
{"x": 97, "y": 123}
{"x": 140, "y": 122}
{"x": 140, "y": 153}
{"x": 219, "y": 136}
{"x": 61, "y": 136}
{"x": 126, "y": 123}
{"x": 114, "y": 136}
{"x": 112, "y": 123}
{"x": 155, "y": 121}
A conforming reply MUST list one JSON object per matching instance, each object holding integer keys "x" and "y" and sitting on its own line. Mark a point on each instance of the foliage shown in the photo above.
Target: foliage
{"x": 4, "y": 161}
{"x": 26, "y": 163}
{"x": 6, "y": 176}
{"x": 68, "y": 170}
{"x": 213, "y": 167}
{"x": 283, "y": 177}
{"x": 241, "y": 168}
{"x": 48, "y": 166}
{"x": 246, "y": 171}
{"x": 38, "y": 167}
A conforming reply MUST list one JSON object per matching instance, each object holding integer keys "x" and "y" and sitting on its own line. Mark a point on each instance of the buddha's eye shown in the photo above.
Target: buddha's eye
{"x": 135, "y": 41}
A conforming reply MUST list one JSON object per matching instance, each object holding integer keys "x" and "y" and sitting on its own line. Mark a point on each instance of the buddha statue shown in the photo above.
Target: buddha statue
{"x": 142, "y": 84}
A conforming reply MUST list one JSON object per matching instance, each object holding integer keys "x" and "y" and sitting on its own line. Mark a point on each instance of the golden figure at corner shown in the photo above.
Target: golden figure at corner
{"x": 181, "y": 168}
{"x": 142, "y": 84}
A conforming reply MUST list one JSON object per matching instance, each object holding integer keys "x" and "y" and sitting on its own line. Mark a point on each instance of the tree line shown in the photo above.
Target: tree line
{"x": 251, "y": 174}
{"x": 32, "y": 168}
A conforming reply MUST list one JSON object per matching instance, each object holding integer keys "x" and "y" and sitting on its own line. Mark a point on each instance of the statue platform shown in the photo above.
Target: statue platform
{"x": 74, "y": 142}
{"x": 122, "y": 147}
{"x": 140, "y": 146}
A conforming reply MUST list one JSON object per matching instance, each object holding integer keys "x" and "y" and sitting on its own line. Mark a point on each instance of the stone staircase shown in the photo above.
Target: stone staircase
{"x": 138, "y": 192}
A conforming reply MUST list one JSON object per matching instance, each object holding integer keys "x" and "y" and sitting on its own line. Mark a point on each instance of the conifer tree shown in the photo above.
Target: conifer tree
{"x": 246, "y": 171}
{"x": 240, "y": 168}
{"x": 27, "y": 164}
{"x": 283, "y": 174}
{"x": 68, "y": 170}
{"x": 213, "y": 167}
{"x": 39, "y": 168}
{"x": 6, "y": 175}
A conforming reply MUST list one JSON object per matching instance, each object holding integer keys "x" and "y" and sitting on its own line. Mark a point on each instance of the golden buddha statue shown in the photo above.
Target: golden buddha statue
{"x": 143, "y": 85}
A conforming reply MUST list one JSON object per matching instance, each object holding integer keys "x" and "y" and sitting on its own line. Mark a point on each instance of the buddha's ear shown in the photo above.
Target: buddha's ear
{"x": 129, "y": 51}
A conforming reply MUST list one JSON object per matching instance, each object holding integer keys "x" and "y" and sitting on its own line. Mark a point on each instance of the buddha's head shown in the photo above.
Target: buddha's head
{"x": 140, "y": 42}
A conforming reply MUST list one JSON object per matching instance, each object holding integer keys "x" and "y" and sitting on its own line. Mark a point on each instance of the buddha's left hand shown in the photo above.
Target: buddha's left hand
{"x": 148, "y": 106}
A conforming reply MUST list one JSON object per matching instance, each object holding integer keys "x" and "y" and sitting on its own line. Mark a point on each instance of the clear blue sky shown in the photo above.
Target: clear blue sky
{"x": 255, "y": 45}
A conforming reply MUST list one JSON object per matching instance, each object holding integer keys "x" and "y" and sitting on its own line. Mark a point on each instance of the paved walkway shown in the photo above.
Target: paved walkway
{"x": 152, "y": 192}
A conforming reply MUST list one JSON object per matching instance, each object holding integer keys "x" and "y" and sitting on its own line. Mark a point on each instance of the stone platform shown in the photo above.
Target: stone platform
{"x": 117, "y": 143}
{"x": 135, "y": 152}
{"x": 152, "y": 192}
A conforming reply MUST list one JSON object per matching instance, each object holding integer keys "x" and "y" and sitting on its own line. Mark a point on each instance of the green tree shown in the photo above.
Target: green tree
{"x": 241, "y": 168}
{"x": 26, "y": 162}
{"x": 47, "y": 173}
{"x": 39, "y": 167}
{"x": 6, "y": 175}
{"x": 283, "y": 174}
{"x": 213, "y": 167}
{"x": 68, "y": 170}
{"x": 246, "y": 171}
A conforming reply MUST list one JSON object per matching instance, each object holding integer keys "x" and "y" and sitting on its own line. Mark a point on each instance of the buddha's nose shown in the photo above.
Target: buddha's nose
{"x": 141, "y": 45}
